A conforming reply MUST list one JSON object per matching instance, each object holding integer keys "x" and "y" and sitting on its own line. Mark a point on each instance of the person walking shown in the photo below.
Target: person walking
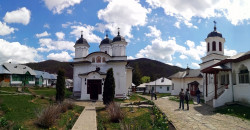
{"x": 152, "y": 93}
{"x": 181, "y": 96}
{"x": 187, "y": 97}
{"x": 198, "y": 92}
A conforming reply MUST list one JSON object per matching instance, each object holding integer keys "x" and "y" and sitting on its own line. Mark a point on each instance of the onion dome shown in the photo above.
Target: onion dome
{"x": 214, "y": 33}
{"x": 106, "y": 40}
{"x": 83, "y": 41}
{"x": 118, "y": 38}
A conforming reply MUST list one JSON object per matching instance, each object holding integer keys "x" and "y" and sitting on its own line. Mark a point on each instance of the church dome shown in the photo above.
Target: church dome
{"x": 118, "y": 38}
{"x": 214, "y": 33}
{"x": 83, "y": 41}
{"x": 106, "y": 41}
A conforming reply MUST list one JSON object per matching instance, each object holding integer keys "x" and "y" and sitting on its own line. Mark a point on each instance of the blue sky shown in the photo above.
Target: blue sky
{"x": 169, "y": 31}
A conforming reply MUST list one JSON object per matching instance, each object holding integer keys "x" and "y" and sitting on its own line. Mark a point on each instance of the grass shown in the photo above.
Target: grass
{"x": 176, "y": 99}
{"x": 133, "y": 98}
{"x": 49, "y": 92}
{"x": 9, "y": 89}
{"x": 159, "y": 95}
{"x": 235, "y": 110}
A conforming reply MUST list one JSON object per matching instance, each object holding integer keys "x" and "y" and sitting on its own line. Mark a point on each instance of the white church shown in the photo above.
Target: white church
{"x": 90, "y": 68}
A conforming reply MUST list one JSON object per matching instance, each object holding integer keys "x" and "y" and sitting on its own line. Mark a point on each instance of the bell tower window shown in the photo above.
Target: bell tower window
{"x": 220, "y": 46}
{"x": 208, "y": 47}
{"x": 214, "y": 46}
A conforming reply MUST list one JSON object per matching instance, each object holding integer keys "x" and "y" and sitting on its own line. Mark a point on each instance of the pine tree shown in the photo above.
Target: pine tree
{"x": 60, "y": 86}
{"x": 109, "y": 87}
{"x": 136, "y": 75}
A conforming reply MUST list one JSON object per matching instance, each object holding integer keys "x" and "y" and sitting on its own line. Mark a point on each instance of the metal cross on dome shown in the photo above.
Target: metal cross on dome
{"x": 214, "y": 25}
{"x": 118, "y": 31}
{"x": 107, "y": 31}
{"x": 81, "y": 33}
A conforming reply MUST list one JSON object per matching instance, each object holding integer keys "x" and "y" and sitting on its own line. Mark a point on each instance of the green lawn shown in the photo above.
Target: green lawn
{"x": 133, "y": 98}
{"x": 49, "y": 92}
{"x": 235, "y": 110}
{"x": 9, "y": 89}
{"x": 175, "y": 98}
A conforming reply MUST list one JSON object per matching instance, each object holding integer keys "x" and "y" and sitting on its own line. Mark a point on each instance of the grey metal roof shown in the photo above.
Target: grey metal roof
{"x": 45, "y": 75}
{"x": 193, "y": 73}
{"x": 118, "y": 38}
{"x": 106, "y": 40}
{"x": 3, "y": 70}
{"x": 160, "y": 81}
{"x": 18, "y": 69}
{"x": 53, "y": 76}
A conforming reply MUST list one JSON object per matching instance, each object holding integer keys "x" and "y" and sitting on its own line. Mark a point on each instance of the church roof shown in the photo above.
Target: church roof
{"x": 119, "y": 38}
{"x": 82, "y": 41}
{"x": 214, "y": 33}
{"x": 106, "y": 40}
{"x": 191, "y": 73}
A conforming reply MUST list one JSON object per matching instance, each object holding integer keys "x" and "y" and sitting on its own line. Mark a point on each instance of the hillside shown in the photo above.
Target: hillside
{"x": 147, "y": 67}
{"x": 153, "y": 68}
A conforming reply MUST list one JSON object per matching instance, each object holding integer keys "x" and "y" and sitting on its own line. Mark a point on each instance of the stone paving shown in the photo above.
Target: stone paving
{"x": 199, "y": 117}
{"x": 87, "y": 119}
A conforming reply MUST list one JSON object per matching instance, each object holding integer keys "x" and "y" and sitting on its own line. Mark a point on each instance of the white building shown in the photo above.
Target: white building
{"x": 90, "y": 69}
{"x": 226, "y": 79}
{"x": 161, "y": 85}
{"x": 190, "y": 78}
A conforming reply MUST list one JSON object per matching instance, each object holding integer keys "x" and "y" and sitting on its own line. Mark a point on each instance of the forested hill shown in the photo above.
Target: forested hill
{"x": 147, "y": 67}
{"x": 153, "y": 68}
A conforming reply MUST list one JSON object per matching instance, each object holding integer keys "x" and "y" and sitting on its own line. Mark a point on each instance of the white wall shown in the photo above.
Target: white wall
{"x": 183, "y": 84}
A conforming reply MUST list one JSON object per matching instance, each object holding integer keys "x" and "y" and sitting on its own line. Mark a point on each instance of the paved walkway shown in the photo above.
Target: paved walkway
{"x": 199, "y": 117}
{"x": 87, "y": 119}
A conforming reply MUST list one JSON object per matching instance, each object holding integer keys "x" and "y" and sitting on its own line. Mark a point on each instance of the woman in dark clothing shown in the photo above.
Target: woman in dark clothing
{"x": 187, "y": 98}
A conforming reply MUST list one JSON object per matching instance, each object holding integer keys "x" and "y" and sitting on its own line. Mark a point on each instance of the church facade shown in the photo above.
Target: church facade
{"x": 225, "y": 79}
{"x": 90, "y": 68}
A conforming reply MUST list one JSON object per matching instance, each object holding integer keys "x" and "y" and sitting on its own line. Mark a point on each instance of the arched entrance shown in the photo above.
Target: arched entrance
{"x": 94, "y": 87}
{"x": 193, "y": 86}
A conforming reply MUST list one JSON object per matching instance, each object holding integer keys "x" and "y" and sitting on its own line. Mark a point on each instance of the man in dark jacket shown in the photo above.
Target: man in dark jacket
{"x": 187, "y": 97}
{"x": 198, "y": 92}
{"x": 181, "y": 96}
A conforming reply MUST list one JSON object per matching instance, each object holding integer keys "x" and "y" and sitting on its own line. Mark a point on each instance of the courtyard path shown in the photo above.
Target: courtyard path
{"x": 87, "y": 119}
{"x": 198, "y": 117}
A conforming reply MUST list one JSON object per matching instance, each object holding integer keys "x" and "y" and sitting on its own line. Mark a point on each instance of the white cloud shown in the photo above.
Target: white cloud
{"x": 60, "y": 35}
{"x": 178, "y": 64}
{"x": 87, "y": 33}
{"x": 63, "y": 56}
{"x": 195, "y": 65}
{"x": 22, "y": 15}
{"x": 69, "y": 11}
{"x": 154, "y": 32}
{"x": 17, "y": 53}
{"x": 5, "y": 29}
{"x": 230, "y": 52}
{"x": 44, "y": 34}
{"x": 131, "y": 58}
{"x": 177, "y": 24}
{"x": 46, "y": 26}
{"x": 124, "y": 14}
{"x": 236, "y": 11}
{"x": 47, "y": 44}
{"x": 57, "y": 6}
{"x": 73, "y": 54}
{"x": 183, "y": 57}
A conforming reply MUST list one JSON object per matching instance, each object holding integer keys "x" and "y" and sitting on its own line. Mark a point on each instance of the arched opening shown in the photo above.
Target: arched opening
{"x": 103, "y": 59}
{"x": 208, "y": 47}
{"x": 220, "y": 46}
{"x": 243, "y": 74}
{"x": 93, "y": 60}
{"x": 98, "y": 59}
{"x": 214, "y": 46}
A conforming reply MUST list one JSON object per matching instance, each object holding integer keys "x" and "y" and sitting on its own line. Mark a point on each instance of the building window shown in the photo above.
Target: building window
{"x": 220, "y": 46}
{"x": 214, "y": 46}
{"x": 208, "y": 47}
{"x": 225, "y": 79}
{"x": 98, "y": 59}
{"x": 172, "y": 86}
{"x": 244, "y": 75}
{"x": 160, "y": 87}
{"x": 93, "y": 60}
{"x": 103, "y": 59}
{"x": 167, "y": 88}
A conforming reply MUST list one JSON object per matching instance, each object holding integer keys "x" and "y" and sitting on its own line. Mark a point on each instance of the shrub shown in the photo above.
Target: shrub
{"x": 69, "y": 104}
{"x": 3, "y": 122}
{"x": 114, "y": 112}
{"x": 60, "y": 86}
{"x": 109, "y": 87}
{"x": 48, "y": 116}
{"x": 63, "y": 107}
{"x": 42, "y": 96}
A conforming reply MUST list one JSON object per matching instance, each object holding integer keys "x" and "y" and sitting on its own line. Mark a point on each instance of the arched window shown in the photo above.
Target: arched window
{"x": 98, "y": 59}
{"x": 103, "y": 60}
{"x": 220, "y": 46}
{"x": 243, "y": 75}
{"x": 93, "y": 60}
{"x": 208, "y": 47}
{"x": 214, "y": 46}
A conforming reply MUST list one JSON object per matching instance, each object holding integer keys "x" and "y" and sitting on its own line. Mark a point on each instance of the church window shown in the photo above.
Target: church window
{"x": 220, "y": 46}
{"x": 98, "y": 59}
{"x": 93, "y": 60}
{"x": 244, "y": 75}
{"x": 214, "y": 46}
{"x": 103, "y": 59}
{"x": 208, "y": 47}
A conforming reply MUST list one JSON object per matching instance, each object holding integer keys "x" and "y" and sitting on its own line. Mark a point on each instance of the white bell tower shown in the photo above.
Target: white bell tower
{"x": 81, "y": 47}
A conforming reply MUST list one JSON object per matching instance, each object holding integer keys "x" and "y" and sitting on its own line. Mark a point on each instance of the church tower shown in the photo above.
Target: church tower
{"x": 81, "y": 47}
{"x": 105, "y": 45}
{"x": 215, "y": 48}
{"x": 119, "y": 45}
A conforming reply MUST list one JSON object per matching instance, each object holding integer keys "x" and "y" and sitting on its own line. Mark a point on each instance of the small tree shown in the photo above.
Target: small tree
{"x": 145, "y": 79}
{"x": 109, "y": 87}
{"x": 136, "y": 75}
{"x": 60, "y": 86}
